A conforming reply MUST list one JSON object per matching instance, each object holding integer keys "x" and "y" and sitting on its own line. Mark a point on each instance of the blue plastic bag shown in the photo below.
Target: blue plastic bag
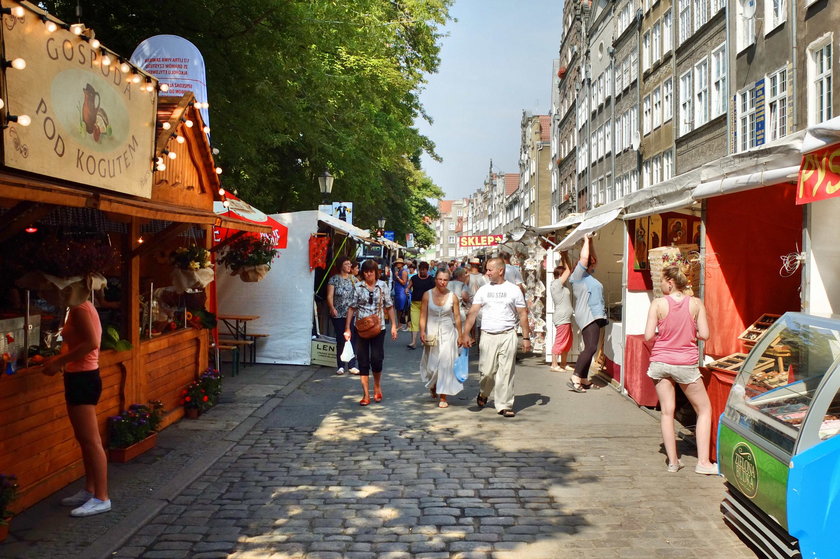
{"x": 462, "y": 365}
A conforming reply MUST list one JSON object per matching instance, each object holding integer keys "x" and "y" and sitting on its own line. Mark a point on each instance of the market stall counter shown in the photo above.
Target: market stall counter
{"x": 777, "y": 443}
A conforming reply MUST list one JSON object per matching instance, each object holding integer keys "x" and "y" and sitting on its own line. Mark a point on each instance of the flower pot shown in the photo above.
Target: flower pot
{"x": 4, "y": 529}
{"x": 252, "y": 273}
{"x": 192, "y": 413}
{"x": 122, "y": 455}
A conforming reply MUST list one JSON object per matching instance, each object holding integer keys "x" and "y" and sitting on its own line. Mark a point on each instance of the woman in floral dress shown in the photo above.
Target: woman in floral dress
{"x": 339, "y": 297}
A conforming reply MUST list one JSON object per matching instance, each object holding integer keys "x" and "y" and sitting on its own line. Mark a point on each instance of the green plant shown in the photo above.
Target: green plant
{"x": 8, "y": 493}
{"x": 200, "y": 318}
{"x": 111, "y": 340}
{"x": 191, "y": 258}
{"x": 134, "y": 424}
{"x": 249, "y": 250}
{"x": 202, "y": 394}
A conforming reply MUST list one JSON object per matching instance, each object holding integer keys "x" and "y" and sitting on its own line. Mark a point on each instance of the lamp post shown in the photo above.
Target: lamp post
{"x": 325, "y": 182}
{"x": 381, "y": 226}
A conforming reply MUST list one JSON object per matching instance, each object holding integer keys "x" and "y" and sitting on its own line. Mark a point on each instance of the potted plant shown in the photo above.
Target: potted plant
{"x": 134, "y": 431}
{"x": 202, "y": 394}
{"x": 8, "y": 493}
{"x": 211, "y": 379}
{"x": 193, "y": 268}
{"x": 249, "y": 257}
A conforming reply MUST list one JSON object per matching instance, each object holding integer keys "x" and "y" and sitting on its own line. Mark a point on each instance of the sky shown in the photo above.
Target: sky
{"x": 495, "y": 62}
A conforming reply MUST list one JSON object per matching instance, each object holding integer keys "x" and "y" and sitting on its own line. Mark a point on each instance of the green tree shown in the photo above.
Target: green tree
{"x": 297, "y": 87}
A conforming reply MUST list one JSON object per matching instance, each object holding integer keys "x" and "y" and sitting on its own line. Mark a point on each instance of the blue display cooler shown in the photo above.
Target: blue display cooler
{"x": 777, "y": 443}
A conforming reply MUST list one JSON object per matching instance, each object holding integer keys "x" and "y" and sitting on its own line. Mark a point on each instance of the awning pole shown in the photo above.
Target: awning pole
{"x": 335, "y": 257}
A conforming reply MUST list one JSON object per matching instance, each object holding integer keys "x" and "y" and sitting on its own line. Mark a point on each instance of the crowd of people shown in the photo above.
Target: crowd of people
{"x": 447, "y": 306}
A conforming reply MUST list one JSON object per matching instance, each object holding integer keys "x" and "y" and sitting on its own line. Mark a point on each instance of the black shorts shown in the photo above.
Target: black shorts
{"x": 82, "y": 388}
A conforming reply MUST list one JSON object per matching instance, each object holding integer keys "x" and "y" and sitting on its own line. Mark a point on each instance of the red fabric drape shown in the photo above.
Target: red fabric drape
{"x": 318, "y": 251}
{"x": 747, "y": 232}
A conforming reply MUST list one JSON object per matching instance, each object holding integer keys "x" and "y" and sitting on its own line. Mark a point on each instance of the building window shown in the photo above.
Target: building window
{"x": 634, "y": 64}
{"x": 646, "y": 174}
{"x": 774, "y": 14}
{"x": 667, "y": 100}
{"x": 625, "y": 69}
{"x": 656, "y": 38}
{"x": 666, "y": 31}
{"x": 685, "y": 21}
{"x": 701, "y": 93}
{"x": 746, "y": 119}
{"x": 744, "y": 26}
{"x": 610, "y": 185}
{"x": 657, "y": 107}
{"x": 619, "y": 134}
{"x": 667, "y": 165}
{"x": 686, "y": 109}
{"x": 646, "y": 115}
{"x": 608, "y": 137}
{"x": 646, "y": 51}
{"x": 452, "y": 226}
{"x": 701, "y": 13}
{"x": 777, "y": 105}
{"x": 656, "y": 170}
{"x": 718, "y": 59}
{"x": 451, "y": 239}
{"x": 819, "y": 80}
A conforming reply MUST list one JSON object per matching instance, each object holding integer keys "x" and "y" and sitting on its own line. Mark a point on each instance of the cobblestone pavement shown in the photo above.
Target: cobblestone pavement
{"x": 320, "y": 477}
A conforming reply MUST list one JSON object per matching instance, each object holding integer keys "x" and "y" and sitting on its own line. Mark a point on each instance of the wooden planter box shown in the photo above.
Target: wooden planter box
{"x": 122, "y": 455}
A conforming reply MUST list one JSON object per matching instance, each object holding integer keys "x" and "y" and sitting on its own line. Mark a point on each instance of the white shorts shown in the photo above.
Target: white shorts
{"x": 682, "y": 374}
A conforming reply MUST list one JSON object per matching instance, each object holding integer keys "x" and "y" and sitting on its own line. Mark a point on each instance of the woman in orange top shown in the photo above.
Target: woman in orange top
{"x": 79, "y": 360}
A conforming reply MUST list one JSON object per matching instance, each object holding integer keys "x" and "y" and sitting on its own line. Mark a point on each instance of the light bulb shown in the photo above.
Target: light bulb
{"x": 159, "y": 160}
{"x": 51, "y": 26}
{"x": 215, "y": 151}
{"x": 172, "y": 155}
{"x": 136, "y": 78}
{"x": 2, "y": 103}
{"x": 24, "y": 120}
{"x": 226, "y": 203}
{"x": 18, "y": 63}
{"x": 95, "y": 44}
{"x": 180, "y": 139}
{"x": 161, "y": 167}
{"x": 18, "y": 11}
{"x": 106, "y": 60}
{"x": 139, "y": 240}
{"x": 166, "y": 126}
{"x": 218, "y": 170}
{"x": 76, "y": 28}
{"x": 188, "y": 123}
{"x": 164, "y": 87}
{"x": 221, "y": 192}
{"x": 206, "y": 129}
{"x": 125, "y": 68}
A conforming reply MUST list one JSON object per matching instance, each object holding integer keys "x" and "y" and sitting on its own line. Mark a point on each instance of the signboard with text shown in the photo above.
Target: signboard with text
{"x": 470, "y": 241}
{"x": 819, "y": 175}
{"x": 90, "y": 123}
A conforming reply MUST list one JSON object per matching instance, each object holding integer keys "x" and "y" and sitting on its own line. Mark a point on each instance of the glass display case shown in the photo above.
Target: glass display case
{"x": 777, "y": 443}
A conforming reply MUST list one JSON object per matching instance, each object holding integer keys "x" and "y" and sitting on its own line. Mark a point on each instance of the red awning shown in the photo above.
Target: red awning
{"x": 239, "y": 210}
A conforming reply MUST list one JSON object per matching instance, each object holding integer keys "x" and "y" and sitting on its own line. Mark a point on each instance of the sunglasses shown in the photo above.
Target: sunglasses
{"x": 370, "y": 297}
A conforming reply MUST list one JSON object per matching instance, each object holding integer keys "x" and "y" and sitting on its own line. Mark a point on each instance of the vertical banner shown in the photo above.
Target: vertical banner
{"x": 176, "y": 62}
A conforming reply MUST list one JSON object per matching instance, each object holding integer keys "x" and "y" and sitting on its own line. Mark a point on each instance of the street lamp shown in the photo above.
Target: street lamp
{"x": 325, "y": 182}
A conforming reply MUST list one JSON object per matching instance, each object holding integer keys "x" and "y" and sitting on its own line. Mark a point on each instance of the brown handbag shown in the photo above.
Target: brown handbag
{"x": 370, "y": 326}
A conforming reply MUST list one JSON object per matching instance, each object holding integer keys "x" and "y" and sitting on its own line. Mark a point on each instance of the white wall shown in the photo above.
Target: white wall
{"x": 283, "y": 300}
{"x": 823, "y": 261}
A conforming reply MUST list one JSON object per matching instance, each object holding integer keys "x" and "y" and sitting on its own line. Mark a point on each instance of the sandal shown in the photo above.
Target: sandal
{"x": 575, "y": 387}
{"x": 480, "y": 401}
{"x": 507, "y": 413}
{"x": 364, "y": 401}
{"x": 443, "y": 404}
{"x": 409, "y": 346}
{"x": 377, "y": 396}
{"x": 590, "y": 386}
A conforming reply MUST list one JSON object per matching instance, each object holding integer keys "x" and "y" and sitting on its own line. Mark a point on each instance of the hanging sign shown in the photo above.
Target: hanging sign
{"x": 819, "y": 175}
{"x": 465, "y": 241}
{"x": 90, "y": 122}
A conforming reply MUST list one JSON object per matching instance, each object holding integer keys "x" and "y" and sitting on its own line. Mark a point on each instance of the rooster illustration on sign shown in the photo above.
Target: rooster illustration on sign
{"x": 94, "y": 118}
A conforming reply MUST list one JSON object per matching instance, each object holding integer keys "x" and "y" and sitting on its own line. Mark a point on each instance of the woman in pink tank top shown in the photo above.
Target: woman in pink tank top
{"x": 675, "y": 322}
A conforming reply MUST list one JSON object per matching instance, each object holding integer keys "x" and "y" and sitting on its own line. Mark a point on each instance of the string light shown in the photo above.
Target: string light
{"x": 77, "y": 28}
{"x": 164, "y": 87}
{"x": 188, "y": 123}
{"x": 170, "y": 154}
{"x": 140, "y": 240}
{"x": 226, "y": 203}
{"x": 51, "y": 26}
{"x": 166, "y": 126}
{"x": 17, "y": 63}
{"x": 95, "y": 44}
{"x": 136, "y": 78}
{"x": 17, "y": 11}
{"x": 2, "y": 103}
{"x": 125, "y": 68}
{"x": 221, "y": 192}
{"x": 218, "y": 170}
{"x": 206, "y": 129}
{"x": 31, "y": 229}
{"x": 180, "y": 139}
{"x": 106, "y": 58}
{"x": 23, "y": 120}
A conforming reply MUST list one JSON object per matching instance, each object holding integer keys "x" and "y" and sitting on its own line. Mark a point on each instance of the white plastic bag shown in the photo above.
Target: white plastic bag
{"x": 347, "y": 353}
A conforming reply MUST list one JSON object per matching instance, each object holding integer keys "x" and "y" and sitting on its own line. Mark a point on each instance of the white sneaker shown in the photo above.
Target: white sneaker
{"x": 354, "y": 371}
{"x": 710, "y": 470}
{"x": 340, "y": 371}
{"x": 91, "y": 507}
{"x": 674, "y": 468}
{"x": 79, "y": 498}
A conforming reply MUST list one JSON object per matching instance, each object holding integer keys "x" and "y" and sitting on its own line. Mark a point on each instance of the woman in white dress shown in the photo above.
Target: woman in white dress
{"x": 440, "y": 325}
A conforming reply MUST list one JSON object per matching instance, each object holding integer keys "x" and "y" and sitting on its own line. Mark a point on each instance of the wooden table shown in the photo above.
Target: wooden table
{"x": 237, "y": 324}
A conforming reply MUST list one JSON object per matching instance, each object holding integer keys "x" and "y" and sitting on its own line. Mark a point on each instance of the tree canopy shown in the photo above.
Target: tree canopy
{"x": 299, "y": 86}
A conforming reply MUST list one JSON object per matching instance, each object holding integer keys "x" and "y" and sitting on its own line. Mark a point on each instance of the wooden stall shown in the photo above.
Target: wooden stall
{"x": 146, "y": 181}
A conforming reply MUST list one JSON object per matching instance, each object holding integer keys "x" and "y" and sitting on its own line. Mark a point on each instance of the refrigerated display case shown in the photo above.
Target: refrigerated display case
{"x": 777, "y": 443}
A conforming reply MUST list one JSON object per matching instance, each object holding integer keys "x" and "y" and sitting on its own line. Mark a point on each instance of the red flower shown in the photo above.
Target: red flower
{"x": 187, "y": 399}
{"x": 205, "y": 398}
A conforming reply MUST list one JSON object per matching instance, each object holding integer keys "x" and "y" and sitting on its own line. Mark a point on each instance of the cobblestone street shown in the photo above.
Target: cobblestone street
{"x": 571, "y": 475}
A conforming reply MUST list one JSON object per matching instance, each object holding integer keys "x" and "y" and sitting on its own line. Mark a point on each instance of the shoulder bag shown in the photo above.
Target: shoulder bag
{"x": 370, "y": 326}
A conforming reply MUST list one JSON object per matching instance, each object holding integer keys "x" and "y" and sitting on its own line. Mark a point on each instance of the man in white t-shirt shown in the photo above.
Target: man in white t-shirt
{"x": 501, "y": 303}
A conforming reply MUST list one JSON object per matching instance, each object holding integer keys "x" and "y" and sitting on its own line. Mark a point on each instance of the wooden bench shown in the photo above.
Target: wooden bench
{"x": 244, "y": 344}
{"x": 254, "y": 338}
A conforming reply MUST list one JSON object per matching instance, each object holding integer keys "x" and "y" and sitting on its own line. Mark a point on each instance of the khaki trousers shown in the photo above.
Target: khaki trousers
{"x": 496, "y": 362}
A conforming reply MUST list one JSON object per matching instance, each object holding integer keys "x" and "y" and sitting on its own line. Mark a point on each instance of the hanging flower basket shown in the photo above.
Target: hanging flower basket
{"x": 684, "y": 255}
{"x": 193, "y": 268}
{"x": 249, "y": 257}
